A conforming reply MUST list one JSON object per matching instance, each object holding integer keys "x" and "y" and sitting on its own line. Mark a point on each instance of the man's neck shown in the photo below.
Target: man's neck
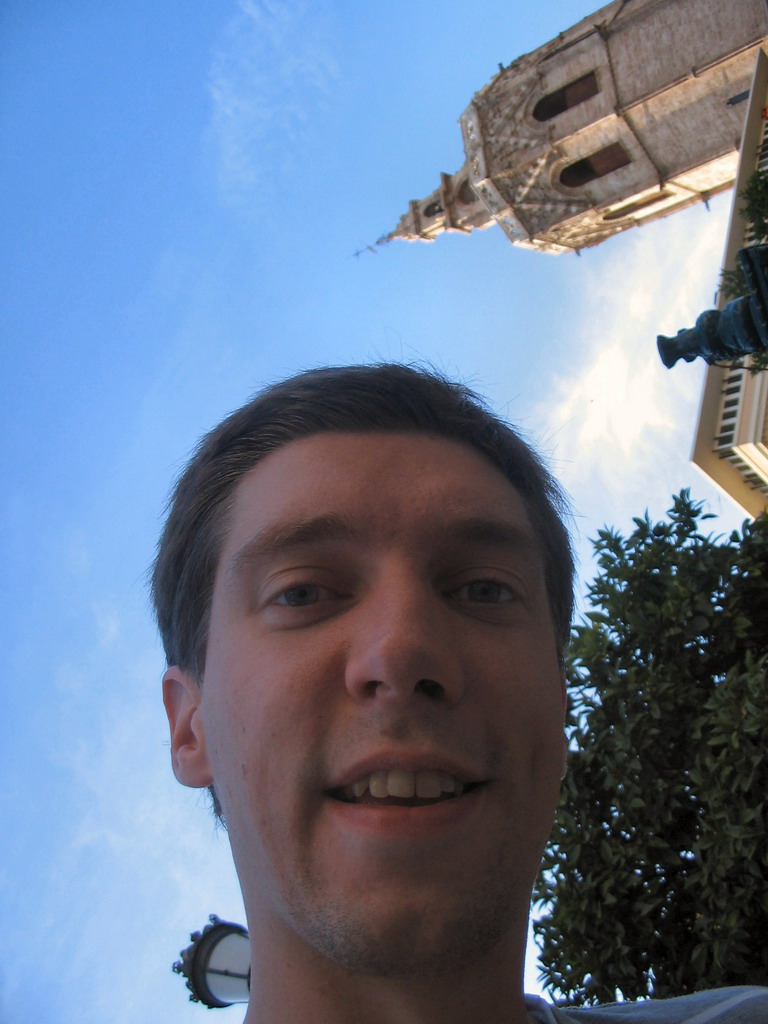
{"x": 318, "y": 991}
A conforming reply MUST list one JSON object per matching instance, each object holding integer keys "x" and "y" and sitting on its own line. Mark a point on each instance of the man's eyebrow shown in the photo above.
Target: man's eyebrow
{"x": 492, "y": 531}
{"x": 284, "y": 536}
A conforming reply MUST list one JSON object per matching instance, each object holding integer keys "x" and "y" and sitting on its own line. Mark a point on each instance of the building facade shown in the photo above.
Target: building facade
{"x": 633, "y": 113}
{"x": 731, "y": 441}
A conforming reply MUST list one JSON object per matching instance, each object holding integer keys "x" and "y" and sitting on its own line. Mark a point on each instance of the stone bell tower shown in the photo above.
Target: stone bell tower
{"x": 633, "y": 113}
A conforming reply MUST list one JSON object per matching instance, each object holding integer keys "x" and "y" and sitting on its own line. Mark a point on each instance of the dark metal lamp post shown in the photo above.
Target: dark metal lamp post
{"x": 740, "y": 329}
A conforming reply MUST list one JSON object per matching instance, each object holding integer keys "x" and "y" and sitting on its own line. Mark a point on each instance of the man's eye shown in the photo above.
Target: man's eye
{"x": 301, "y": 595}
{"x": 484, "y": 592}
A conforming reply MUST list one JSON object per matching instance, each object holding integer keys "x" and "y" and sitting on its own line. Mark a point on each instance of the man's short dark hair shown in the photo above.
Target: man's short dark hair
{"x": 351, "y": 399}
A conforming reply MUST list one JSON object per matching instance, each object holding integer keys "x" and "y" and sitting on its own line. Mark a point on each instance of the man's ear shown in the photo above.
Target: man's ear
{"x": 189, "y": 752}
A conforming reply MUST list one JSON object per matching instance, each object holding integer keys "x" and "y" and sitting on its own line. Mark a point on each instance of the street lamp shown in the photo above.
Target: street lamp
{"x": 217, "y": 965}
{"x": 739, "y": 329}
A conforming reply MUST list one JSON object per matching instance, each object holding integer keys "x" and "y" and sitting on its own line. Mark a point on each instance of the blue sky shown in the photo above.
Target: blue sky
{"x": 186, "y": 186}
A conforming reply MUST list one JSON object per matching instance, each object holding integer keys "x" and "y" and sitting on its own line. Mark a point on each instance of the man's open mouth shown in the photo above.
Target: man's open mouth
{"x": 403, "y": 788}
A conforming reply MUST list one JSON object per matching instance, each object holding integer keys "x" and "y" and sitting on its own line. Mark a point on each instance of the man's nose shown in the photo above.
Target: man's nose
{"x": 404, "y": 648}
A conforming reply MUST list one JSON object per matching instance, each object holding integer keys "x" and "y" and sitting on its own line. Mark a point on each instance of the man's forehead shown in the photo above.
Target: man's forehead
{"x": 331, "y": 463}
{"x": 343, "y": 485}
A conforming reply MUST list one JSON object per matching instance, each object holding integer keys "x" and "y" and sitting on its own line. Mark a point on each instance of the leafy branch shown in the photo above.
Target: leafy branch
{"x": 755, "y": 210}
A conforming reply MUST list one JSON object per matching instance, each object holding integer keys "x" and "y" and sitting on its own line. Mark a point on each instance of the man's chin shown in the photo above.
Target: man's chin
{"x": 424, "y": 942}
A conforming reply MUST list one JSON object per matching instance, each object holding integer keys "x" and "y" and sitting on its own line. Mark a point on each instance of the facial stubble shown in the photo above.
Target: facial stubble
{"x": 471, "y": 918}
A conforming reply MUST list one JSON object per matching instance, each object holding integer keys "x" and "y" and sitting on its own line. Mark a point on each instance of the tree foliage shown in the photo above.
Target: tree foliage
{"x": 755, "y": 209}
{"x": 733, "y": 283}
{"x": 655, "y": 880}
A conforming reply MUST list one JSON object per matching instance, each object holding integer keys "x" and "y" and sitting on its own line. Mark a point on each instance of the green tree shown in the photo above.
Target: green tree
{"x": 655, "y": 880}
{"x": 755, "y": 209}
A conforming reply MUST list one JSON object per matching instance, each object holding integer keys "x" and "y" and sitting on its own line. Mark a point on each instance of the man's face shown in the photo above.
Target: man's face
{"x": 382, "y": 701}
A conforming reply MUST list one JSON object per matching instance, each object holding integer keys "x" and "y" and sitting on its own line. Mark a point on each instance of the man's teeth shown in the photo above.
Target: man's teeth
{"x": 426, "y": 785}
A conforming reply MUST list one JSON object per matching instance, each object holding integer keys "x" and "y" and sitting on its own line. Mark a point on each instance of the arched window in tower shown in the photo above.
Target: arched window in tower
{"x": 597, "y": 165}
{"x": 432, "y": 209}
{"x": 568, "y": 96}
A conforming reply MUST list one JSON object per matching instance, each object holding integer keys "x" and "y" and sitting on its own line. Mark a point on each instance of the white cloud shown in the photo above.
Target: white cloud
{"x": 619, "y": 423}
{"x": 272, "y": 71}
{"x": 618, "y": 426}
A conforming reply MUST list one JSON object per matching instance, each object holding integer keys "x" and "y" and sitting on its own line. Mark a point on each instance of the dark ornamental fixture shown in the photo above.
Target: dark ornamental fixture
{"x": 217, "y": 965}
{"x": 740, "y": 329}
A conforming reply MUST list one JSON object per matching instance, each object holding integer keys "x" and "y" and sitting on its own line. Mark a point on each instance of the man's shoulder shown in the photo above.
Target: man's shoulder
{"x": 743, "y": 1005}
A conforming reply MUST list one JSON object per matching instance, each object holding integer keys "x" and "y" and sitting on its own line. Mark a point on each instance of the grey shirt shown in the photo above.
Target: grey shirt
{"x": 744, "y": 1005}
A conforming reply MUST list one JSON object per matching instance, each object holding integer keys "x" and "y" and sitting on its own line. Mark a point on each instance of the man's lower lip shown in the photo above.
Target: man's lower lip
{"x": 390, "y": 819}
